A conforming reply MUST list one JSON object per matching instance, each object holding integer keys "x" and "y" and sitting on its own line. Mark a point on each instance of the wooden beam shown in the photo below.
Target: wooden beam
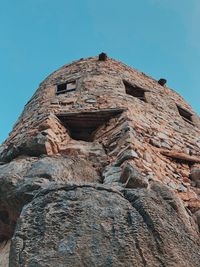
{"x": 180, "y": 156}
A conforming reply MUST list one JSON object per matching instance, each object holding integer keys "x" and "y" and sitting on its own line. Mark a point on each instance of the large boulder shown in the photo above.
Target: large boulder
{"x": 21, "y": 179}
{"x": 94, "y": 225}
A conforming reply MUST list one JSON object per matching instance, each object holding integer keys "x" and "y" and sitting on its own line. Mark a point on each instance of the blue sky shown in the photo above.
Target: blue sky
{"x": 158, "y": 37}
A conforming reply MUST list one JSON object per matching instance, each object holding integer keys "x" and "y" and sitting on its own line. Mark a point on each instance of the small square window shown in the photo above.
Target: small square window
{"x": 186, "y": 115}
{"x": 66, "y": 87}
{"x": 135, "y": 91}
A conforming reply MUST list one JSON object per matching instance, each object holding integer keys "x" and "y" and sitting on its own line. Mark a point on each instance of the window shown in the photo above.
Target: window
{"x": 83, "y": 125}
{"x": 186, "y": 116}
{"x": 135, "y": 91}
{"x": 66, "y": 87}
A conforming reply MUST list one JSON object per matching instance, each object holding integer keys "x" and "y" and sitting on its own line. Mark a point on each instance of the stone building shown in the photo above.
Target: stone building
{"x": 102, "y": 168}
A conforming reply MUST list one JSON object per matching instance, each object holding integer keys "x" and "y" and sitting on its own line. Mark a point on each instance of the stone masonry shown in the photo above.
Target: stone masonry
{"x": 109, "y": 134}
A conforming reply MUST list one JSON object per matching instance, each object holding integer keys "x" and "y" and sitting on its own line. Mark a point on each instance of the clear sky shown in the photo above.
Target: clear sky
{"x": 158, "y": 37}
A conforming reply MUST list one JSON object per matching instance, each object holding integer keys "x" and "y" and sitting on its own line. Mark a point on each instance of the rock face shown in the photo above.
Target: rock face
{"x": 101, "y": 169}
{"x": 94, "y": 226}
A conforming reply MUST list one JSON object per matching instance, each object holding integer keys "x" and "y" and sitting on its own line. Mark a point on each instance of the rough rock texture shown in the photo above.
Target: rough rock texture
{"x": 101, "y": 169}
{"x": 94, "y": 226}
{"x": 4, "y": 253}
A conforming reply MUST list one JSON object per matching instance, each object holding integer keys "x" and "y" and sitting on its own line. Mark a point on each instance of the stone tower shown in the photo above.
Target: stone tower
{"x": 101, "y": 169}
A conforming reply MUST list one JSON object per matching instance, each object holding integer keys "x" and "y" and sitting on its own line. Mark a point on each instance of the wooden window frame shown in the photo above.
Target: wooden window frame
{"x": 63, "y": 88}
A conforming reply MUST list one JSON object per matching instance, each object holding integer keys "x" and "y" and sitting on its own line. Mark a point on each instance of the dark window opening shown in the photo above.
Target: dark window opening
{"x": 66, "y": 87}
{"x": 186, "y": 116}
{"x": 135, "y": 91}
{"x": 83, "y": 125}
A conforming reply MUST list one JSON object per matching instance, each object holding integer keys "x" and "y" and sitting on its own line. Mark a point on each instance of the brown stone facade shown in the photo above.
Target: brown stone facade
{"x": 126, "y": 129}
{"x": 146, "y": 133}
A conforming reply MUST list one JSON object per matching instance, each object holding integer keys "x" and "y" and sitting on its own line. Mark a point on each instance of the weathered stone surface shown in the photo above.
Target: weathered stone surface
{"x": 126, "y": 155}
{"x": 111, "y": 174}
{"x": 4, "y": 254}
{"x": 101, "y": 169}
{"x": 197, "y": 216}
{"x": 195, "y": 176}
{"x": 131, "y": 178}
{"x": 90, "y": 226}
{"x": 63, "y": 168}
{"x": 22, "y": 178}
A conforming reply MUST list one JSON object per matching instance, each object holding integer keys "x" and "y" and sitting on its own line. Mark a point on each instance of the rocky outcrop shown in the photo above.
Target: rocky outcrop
{"x": 4, "y": 253}
{"x": 93, "y": 225}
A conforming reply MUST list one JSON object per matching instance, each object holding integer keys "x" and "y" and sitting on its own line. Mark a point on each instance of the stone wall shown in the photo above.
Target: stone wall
{"x": 153, "y": 126}
{"x": 99, "y": 134}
